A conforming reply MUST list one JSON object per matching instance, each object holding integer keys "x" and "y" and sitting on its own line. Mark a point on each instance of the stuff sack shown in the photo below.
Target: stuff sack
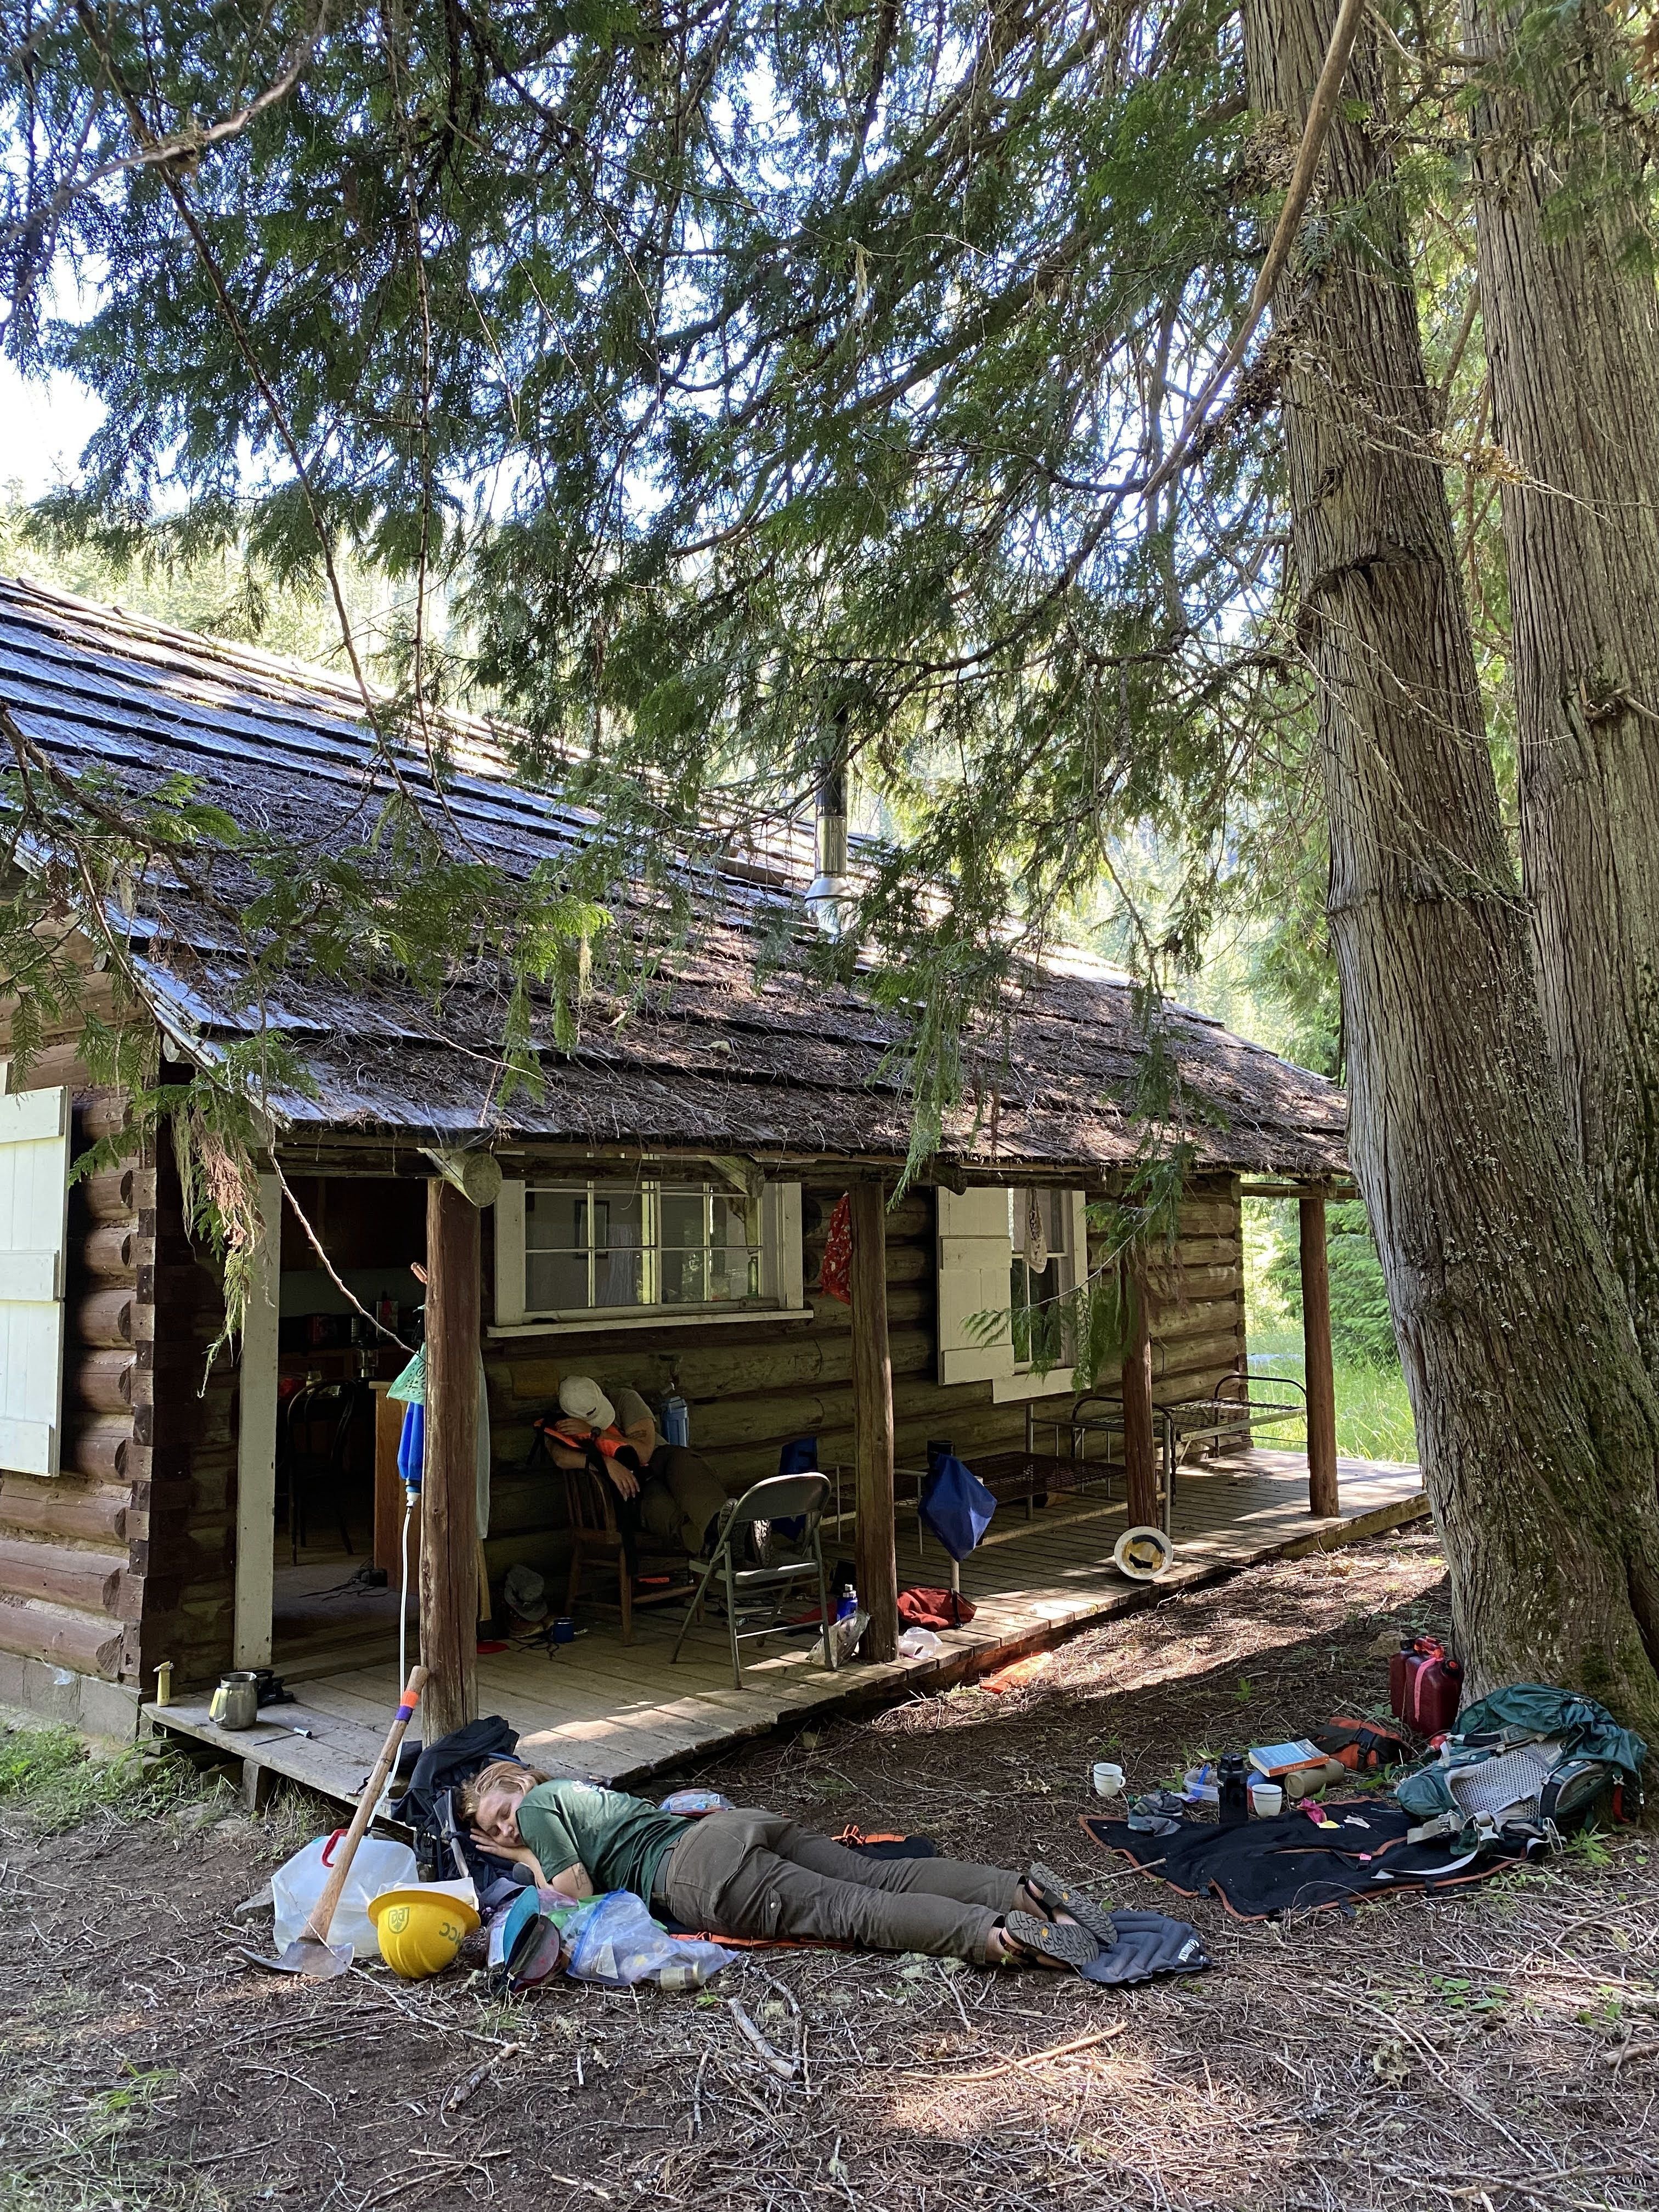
{"x": 612, "y": 1939}
{"x": 1363, "y": 1746}
{"x": 296, "y": 1887}
{"x": 1424, "y": 1684}
{"x": 955, "y": 1506}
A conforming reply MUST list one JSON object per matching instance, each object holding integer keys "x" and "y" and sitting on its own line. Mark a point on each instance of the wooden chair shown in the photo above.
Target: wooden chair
{"x": 596, "y": 1540}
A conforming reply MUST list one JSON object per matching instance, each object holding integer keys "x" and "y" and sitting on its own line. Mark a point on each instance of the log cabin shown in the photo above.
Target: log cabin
{"x": 663, "y": 1204}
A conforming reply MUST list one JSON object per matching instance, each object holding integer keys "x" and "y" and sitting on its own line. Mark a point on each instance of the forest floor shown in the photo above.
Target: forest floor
{"x": 1497, "y": 2049}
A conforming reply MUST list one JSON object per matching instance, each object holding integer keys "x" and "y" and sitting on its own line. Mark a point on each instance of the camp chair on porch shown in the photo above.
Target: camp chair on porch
{"x": 780, "y": 1499}
{"x": 596, "y": 1539}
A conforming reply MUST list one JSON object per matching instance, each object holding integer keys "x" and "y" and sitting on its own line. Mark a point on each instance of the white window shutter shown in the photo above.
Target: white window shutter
{"x": 975, "y": 1252}
{"x": 1077, "y": 1203}
{"x": 34, "y": 1147}
{"x": 509, "y": 1253}
{"x": 782, "y": 1269}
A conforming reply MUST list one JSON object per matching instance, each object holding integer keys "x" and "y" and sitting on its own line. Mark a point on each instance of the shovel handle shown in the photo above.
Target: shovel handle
{"x": 322, "y": 1916}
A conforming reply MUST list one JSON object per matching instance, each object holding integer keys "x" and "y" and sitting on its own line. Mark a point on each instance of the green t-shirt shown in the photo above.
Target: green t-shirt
{"x": 622, "y": 1841}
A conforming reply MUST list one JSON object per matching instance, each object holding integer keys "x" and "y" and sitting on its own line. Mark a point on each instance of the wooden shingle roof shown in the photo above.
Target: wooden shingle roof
{"x": 715, "y": 1058}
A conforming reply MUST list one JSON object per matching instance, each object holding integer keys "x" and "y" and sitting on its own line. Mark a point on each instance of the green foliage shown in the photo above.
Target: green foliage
{"x": 1362, "y": 1333}
{"x": 48, "y": 1775}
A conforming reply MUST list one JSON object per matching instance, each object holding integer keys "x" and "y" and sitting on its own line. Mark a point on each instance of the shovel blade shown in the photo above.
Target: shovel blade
{"x": 317, "y": 1962}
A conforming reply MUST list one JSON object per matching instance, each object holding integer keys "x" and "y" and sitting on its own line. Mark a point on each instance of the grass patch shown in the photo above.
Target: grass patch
{"x": 1373, "y": 1413}
{"x": 48, "y": 1776}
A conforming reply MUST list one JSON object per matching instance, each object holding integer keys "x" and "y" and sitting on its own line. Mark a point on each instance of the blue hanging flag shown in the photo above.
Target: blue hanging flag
{"x": 956, "y": 1506}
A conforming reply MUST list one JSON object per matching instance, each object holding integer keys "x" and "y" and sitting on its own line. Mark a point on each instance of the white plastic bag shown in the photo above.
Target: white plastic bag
{"x": 919, "y": 1643}
{"x": 613, "y": 1940}
{"x": 296, "y": 1886}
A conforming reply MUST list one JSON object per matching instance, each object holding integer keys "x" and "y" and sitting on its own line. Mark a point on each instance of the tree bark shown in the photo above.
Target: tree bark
{"x": 1317, "y": 1367}
{"x": 1539, "y": 1428}
{"x": 1571, "y": 330}
{"x": 876, "y": 1550}
{"x": 449, "y": 1509}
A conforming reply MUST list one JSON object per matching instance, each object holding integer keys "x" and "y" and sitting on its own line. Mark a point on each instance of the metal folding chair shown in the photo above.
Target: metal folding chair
{"x": 781, "y": 1497}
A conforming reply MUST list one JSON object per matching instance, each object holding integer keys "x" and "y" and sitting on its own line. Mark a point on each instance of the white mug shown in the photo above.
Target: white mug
{"x": 1267, "y": 1798}
{"x": 1108, "y": 1779}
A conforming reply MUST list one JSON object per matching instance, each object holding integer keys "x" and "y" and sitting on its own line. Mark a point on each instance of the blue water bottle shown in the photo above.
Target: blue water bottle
{"x": 676, "y": 1421}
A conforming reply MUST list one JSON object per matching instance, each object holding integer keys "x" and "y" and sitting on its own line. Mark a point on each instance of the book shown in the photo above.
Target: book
{"x": 1272, "y": 1760}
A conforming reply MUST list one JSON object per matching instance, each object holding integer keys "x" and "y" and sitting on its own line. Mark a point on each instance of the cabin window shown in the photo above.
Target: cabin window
{"x": 570, "y": 1249}
{"x": 1008, "y": 1258}
{"x": 1041, "y": 1276}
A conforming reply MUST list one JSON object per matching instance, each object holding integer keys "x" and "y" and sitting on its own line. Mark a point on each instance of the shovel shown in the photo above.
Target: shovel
{"x": 311, "y": 1953}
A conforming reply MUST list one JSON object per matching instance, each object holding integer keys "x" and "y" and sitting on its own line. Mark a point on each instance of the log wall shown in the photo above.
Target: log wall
{"x": 752, "y": 1387}
{"x": 125, "y": 1557}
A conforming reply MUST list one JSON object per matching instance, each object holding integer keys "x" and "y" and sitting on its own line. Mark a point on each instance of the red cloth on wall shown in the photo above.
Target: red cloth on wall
{"x": 834, "y": 1277}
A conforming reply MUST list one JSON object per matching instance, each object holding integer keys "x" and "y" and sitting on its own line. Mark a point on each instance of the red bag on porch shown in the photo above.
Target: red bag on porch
{"x": 1426, "y": 1685}
{"x": 934, "y": 1608}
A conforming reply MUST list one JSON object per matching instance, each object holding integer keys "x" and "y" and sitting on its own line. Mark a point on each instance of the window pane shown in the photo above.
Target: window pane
{"x": 682, "y": 1217}
{"x": 555, "y": 1220}
{"x": 555, "y": 1282}
{"x": 685, "y": 1277}
{"x": 618, "y": 1245}
{"x": 731, "y": 1270}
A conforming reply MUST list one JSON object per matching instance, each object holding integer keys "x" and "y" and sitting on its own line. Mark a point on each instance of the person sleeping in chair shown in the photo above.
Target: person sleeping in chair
{"x": 667, "y": 1493}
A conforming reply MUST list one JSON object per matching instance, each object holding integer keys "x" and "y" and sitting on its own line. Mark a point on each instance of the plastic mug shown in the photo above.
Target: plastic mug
{"x": 1107, "y": 1778}
{"x": 564, "y": 1630}
{"x": 1267, "y": 1799}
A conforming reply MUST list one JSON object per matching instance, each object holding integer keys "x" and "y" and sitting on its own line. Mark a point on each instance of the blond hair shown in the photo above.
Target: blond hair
{"x": 499, "y": 1774}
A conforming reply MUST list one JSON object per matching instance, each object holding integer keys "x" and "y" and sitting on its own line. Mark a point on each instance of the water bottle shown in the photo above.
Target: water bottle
{"x": 676, "y": 1421}
{"x": 1233, "y": 1804}
{"x": 848, "y": 1604}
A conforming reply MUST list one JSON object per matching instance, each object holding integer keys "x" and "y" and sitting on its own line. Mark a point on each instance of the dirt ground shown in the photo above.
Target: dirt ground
{"x": 1500, "y": 2049}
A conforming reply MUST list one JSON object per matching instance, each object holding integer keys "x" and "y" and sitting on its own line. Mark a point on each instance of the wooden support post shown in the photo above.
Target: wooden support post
{"x": 256, "y": 1441}
{"x": 1321, "y": 1375}
{"x": 449, "y": 1526}
{"x": 873, "y": 1423}
{"x": 1140, "y": 1439}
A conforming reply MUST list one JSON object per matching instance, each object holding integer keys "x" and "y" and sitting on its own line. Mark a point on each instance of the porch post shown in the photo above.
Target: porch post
{"x": 1316, "y": 1348}
{"x": 449, "y": 1568}
{"x": 873, "y": 1422}
{"x": 256, "y": 1441}
{"x": 1140, "y": 1443}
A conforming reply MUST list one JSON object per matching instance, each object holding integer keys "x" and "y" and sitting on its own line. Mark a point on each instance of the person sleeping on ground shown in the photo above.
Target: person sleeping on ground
{"x": 756, "y": 1874}
{"x": 664, "y": 1491}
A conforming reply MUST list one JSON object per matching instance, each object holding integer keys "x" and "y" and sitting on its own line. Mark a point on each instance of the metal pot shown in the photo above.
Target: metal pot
{"x": 235, "y": 1703}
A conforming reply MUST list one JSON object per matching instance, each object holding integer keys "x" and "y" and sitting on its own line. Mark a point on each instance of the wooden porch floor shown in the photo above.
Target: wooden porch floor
{"x": 619, "y": 1715}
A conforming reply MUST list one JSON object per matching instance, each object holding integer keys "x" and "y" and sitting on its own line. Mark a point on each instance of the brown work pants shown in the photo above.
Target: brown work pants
{"x": 753, "y": 1874}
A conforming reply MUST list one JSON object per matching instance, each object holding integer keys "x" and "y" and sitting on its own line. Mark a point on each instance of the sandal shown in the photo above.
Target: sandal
{"x": 1056, "y": 1896}
{"x": 1059, "y": 1943}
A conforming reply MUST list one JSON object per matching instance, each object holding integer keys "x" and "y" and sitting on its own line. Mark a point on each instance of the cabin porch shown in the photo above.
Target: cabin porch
{"x": 620, "y": 1715}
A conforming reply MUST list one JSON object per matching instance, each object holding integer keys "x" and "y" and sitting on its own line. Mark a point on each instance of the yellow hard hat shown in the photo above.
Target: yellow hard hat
{"x": 421, "y": 1927}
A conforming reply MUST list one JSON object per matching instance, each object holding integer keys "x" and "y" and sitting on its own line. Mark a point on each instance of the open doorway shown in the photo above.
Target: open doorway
{"x": 337, "y": 1528}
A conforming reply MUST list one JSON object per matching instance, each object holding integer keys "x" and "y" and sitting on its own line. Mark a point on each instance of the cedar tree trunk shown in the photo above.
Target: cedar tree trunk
{"x": 1572, "y": 329}
{"x": 1538, "y": 1426}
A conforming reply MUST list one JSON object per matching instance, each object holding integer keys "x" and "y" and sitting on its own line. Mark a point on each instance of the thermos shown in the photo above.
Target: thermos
{"x": 1233, "y": 1801}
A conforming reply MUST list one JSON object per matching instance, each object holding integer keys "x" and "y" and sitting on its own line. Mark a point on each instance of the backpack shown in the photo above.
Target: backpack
{"x": 1545, "y": 1761}
{"x": 428, "y": 1807}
